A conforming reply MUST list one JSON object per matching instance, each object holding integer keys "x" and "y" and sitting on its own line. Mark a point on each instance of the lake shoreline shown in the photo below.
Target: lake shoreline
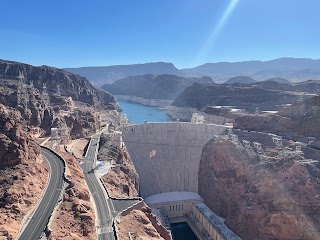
{"x": 138, "y": 113}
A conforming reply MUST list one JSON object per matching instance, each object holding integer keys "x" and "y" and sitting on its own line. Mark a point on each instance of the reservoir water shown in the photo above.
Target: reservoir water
{"x": 138, "y": 113}
{"x": 182, "y": 231}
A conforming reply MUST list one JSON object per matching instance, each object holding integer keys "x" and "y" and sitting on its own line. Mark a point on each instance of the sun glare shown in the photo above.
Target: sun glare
{"x": 209, "y": 43}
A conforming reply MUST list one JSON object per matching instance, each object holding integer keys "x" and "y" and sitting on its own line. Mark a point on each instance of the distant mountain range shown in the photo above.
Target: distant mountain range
{"x": 293, "y": 69}
{"x": 104, "y": 75}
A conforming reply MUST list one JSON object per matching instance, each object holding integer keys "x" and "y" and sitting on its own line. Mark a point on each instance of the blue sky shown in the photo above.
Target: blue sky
{"x": 70, "y": 33}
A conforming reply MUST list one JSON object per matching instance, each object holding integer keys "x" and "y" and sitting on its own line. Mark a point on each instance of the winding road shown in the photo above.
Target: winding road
{"x": 102, "y": 203}
{"x": 39, "y": 220}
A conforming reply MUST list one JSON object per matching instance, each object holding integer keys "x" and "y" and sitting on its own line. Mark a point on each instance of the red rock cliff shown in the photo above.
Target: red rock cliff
{"x": 262, "y": 202}
{"x": 22, "y": 174}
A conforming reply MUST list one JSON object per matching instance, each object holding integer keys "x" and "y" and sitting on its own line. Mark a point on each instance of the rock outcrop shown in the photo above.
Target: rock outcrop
{"x": 16, "y": 145}
{"x": 275, "y": 201}
{"x": 75, "y": 217}
{"x": 138, "y": 222}
{"x": 22, "y": 173}
{"x": 36, "y": 113}
{"x": 122, "y": 181}
{"x": 67, "y": 93}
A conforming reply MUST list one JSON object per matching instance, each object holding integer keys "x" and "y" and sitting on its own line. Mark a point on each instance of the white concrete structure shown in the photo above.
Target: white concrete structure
{"x": 311, "y": 140}
{"x": 60, "y": 133}
{"x": 214, "y": 225}
{"x": 174, "y": 204}
{"x": 197, "y": 118}
{"x": 177, "y": 149}
{"x": 172, "y": 207}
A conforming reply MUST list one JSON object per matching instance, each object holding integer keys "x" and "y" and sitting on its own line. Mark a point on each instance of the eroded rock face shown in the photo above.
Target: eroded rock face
{"x": 22, "y": 174}
{"x": 141, "y": 224}
{"x": 295, "y": 121}
{"x": 36, "y": 113}
{"x": 122, "y": 181}
{"x": 70, "y": 84}
{"x": 16, "y": 146}
{"x": 258, "y": 201}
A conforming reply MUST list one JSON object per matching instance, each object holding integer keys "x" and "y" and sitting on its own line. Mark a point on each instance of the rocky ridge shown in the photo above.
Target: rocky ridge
{"x": 80, "y": 118}
{"x": 265, "y": 95}
{"x": 69, "y": 84}
{"x": 138, "y": 222}
{"x": 163, "y": 87}
{"x": 298, "y": 121}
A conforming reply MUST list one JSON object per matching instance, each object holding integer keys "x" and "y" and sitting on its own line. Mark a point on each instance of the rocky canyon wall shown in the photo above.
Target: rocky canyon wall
{"x": 279, "y": 201}
{"x": 23, "y": 175}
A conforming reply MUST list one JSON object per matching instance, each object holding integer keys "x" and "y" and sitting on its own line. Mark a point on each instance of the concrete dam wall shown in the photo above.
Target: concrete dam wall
{"x": 167, "y": 155}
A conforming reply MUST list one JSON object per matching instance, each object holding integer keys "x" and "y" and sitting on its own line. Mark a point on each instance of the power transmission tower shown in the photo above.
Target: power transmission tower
{"x": 58, "y": 92}
{"x": 257, "y": 112}
{"x": 45, "y": 95}
{"x": 300, "y": 98}
{"x": 22, "y": 92}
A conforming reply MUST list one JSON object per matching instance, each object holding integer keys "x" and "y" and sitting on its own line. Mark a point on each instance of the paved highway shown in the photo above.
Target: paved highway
{"x": 105, "y": 230}
{"x": 40, "y": 218}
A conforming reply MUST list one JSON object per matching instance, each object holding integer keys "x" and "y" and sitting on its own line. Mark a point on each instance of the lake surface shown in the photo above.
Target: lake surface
{"x": 138, "y": 113}
{"x": 182, "y": 231}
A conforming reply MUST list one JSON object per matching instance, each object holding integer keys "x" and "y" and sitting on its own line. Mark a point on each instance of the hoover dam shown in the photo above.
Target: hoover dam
{"x": 167, "y": 155}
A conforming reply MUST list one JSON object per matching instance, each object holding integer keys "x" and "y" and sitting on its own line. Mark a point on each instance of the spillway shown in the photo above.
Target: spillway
{"x": 167, "y": 155}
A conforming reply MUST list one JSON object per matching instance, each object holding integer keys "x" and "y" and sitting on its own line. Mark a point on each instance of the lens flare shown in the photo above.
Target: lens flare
{"x": 207, "y": 46}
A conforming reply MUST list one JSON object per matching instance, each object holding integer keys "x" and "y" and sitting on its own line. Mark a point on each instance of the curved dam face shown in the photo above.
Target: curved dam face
{"x": 167, "y": 155}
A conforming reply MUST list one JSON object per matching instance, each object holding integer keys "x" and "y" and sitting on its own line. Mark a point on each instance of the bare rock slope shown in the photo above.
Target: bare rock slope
{"x": 22, "y": 173}
{"x": 138, "y": 222}
{"x": 75, "y": 217}
{"x": 122, "y": 181}
{"x": 70, "y": 84}
{"x": 278, "y": 201}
